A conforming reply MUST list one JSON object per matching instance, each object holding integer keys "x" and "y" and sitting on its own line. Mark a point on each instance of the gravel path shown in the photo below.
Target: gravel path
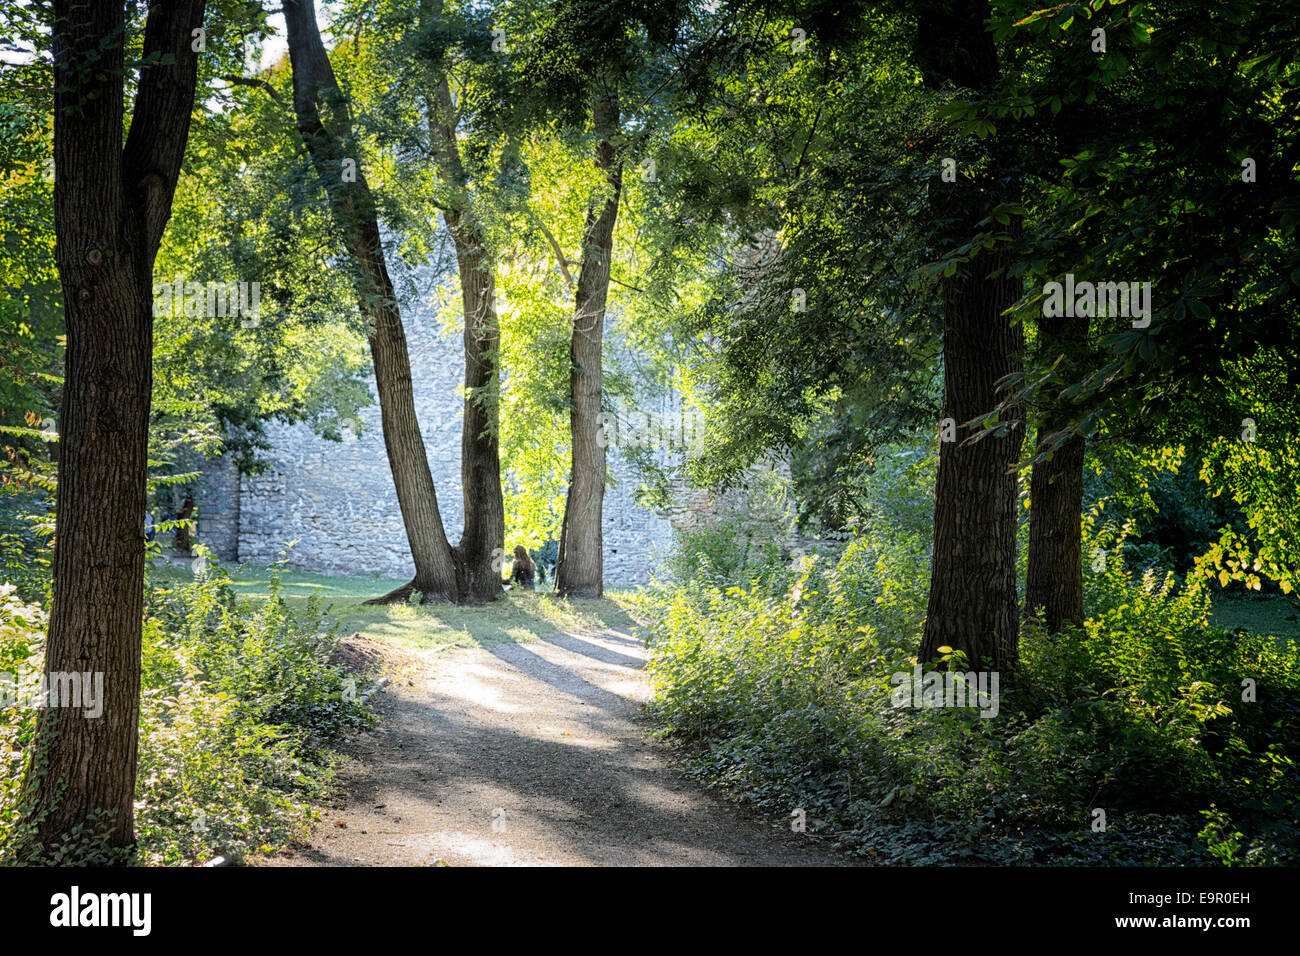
{"x": 531, "y": 753}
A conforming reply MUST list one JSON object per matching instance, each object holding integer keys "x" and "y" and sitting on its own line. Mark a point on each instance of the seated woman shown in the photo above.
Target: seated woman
{"x": 524, "y": 571}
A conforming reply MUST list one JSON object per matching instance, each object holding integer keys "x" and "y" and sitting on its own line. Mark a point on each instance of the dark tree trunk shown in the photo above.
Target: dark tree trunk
{"x": 1054, "y": 576}
{"x": 181, "y": 541}
{"x": 111, "y": 205}
{"x": 579, "y": 569}
{"x": 480, "y": 554}
{"x": 353, "y": 207}
{"x": 973, "y": 600}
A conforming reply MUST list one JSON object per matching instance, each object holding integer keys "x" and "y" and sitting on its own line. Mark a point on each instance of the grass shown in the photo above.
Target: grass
{"x": 521, "y": 616}
{"x": 1269, "y": 614}
{"x": 522, "y": 613}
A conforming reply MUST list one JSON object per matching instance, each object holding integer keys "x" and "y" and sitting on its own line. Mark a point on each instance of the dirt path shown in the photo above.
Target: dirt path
{"x": 531, "y": 753}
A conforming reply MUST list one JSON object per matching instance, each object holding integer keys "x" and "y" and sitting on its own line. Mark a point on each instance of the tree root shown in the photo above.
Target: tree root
{"x": 401, "y": 595}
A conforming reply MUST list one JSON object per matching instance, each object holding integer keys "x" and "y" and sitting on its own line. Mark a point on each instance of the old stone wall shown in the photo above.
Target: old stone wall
{"x": 217, "y": 498}
{"x": 336, "y": 501}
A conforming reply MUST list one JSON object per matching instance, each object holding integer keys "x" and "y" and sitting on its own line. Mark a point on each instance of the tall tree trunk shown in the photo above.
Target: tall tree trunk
{"x": 480, "y": 553}
{"x": 353, "y": 208}
{"x": 580, "y": 568}
{"x": 111, "y": 205}
{"x": 1054, "y": 573}
{"x": 973, "y": 600}
{"x": 1054, "y": 576}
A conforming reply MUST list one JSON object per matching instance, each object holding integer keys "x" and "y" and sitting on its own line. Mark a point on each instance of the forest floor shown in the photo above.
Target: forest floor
{"x": 513, "y": 735}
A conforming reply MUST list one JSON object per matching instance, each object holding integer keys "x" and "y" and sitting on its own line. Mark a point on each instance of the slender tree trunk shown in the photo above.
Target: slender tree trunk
{"x": 480, "y": 554}
{"x": 973, "y": 600}
{"x": 1054, "y": 576}
{"x": 111, "y": 204}
{"x": 353, "y": 207}
{"x": 417, "y": 498}
{"x": 580, "y": 568}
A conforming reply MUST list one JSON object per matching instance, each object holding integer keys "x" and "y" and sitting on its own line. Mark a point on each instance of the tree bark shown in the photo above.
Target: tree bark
{"x": 111, "y": 204}
{"x": 1054, "y": 575}
{"x": 353, "y": 208}
{"x": 579, "y": 570}
{"x": 480, "y": 551}
{"x": 480, "y": 554}
{"x": 973, "y": 604}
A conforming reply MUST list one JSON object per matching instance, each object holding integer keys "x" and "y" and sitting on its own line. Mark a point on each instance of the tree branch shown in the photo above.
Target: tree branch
{"x": 160, "y": 123}
{"x": 260, "y": 84}
{"x": 560, "y": 260}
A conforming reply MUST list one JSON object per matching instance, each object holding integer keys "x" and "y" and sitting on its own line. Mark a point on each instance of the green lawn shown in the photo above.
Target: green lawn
{"x": 521, "y": 616}
{"x": 1269, "y": 614}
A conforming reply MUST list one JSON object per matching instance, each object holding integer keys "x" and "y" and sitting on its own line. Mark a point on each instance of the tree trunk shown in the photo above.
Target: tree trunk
{"x": 579, "y": 570}
{"x": 1054, "y": 574}
{"x": 480, "y": 551}
{"x": 111, "y": 205}
{"x": 417, "y": 498}
{"x": 353, "y": 208}
{"x": 973, "y": 605}
{"x": 1054, "y": 577}
{"x": 973, "y": 600}
{"x": 480, "y": 554}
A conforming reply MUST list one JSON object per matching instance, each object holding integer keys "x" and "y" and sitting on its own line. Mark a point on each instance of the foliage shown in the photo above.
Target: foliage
{"x": 780, "y": 688}
{"x": 238, "y": 704}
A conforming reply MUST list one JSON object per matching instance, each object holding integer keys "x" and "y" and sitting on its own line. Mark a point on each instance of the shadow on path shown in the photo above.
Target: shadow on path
{"x": 533, "y": 753}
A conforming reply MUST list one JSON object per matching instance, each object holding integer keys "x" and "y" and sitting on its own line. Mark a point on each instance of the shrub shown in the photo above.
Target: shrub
{"x": 237, "y": 706}
{"x": 779, "y": 688}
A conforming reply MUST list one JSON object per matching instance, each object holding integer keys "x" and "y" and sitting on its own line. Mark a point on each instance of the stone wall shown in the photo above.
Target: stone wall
{"x": 337, "y": 502}
{"x": 217, "y": 498}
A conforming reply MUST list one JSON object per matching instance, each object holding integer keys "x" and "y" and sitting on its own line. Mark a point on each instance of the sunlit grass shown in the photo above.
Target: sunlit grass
{"x": 520, "y": 616}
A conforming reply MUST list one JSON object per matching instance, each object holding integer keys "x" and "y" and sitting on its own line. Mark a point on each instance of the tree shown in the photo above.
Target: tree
{"x": 478, "y": 553}
{"x": 111, "y": 203}
{"x": 973, "y": 605}
{"x": 579, "y": 62}
{"x": 579, "y": 572}
{"x": 354, "y": 210}
{"x": 1054, "y": 572}
{"x": 1176, "y": 148}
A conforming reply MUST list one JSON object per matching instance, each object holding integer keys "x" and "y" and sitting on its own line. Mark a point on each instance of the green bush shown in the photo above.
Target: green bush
{"x": 238, "y": 704}
{"x": 780, "y": 689}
